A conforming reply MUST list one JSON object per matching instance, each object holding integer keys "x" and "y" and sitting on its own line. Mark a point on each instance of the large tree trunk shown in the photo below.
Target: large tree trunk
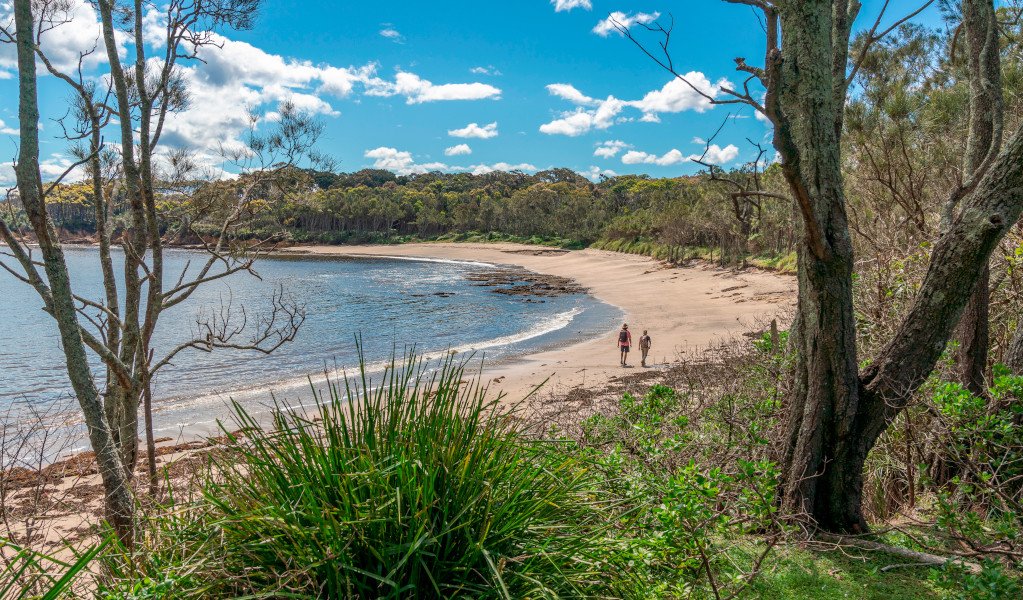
{"x": 808, "y": 119}
{"x": 980, "y": 29}
{"x": 60, "y": 302}
{"x": 836, "y": 416}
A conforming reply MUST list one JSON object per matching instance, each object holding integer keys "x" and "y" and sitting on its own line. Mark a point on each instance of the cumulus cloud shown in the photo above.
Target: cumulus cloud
{"x": 610, "y": 148}
{"x": 417, "y": 90}
{"x": 473, "y": 130}
{"x": 567, "y": 5}
{"x": 401, "y": 162}
{"x": 456, "y": 150}
{"x": 79, "y": 31}
{"x": 594, "y": 173}
{"x": 568, "y": 92}
{"x": 590, "y": 113}
{"x": 714, "y": 155}
{"x": 620, "y": 19}
{"x": 582, "y": 120}
{"x": 50, "y": 168}
{"x": 677, "y": 96}
{"x": 4, "y": 129}
{"x": 501, "y": 166}
{"x": 236, "y": 75}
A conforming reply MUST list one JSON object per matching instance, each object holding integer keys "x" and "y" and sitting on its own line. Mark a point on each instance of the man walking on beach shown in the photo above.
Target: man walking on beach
{"x": 644, "y": 347}
{"x": 624, "y": 341}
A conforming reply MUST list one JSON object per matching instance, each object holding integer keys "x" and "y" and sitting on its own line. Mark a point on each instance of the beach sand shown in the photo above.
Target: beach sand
{"x": 686, "y": 309}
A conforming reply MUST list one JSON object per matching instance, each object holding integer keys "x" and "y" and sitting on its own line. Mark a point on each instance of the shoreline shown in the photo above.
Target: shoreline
{"x": 686, "y": 309}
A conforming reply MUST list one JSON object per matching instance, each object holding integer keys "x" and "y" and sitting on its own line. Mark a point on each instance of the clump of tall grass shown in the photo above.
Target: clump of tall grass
{"x": 416, "y": 488}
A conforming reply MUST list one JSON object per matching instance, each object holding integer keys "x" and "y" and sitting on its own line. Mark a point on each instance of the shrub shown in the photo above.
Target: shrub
{"x": 416, "y": 488}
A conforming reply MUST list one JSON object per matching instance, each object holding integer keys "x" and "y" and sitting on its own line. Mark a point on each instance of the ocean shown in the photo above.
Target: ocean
{"x": 389, "y": 304}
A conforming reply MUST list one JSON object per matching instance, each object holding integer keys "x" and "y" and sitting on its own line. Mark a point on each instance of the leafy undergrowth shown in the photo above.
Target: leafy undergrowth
{"x": 421, "y": 488}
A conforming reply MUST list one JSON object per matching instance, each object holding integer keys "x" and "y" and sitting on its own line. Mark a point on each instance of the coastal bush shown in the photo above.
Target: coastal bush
{"x": 691, "y": 460}
{"x": 415, "y": 488}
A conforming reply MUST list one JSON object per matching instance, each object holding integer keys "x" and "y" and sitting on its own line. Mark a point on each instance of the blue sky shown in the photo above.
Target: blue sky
{"x": 459, "y": 85}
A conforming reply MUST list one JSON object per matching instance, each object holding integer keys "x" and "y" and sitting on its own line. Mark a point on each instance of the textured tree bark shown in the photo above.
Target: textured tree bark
{"x": 123, "y": 404}
{"x": 837, "y": 414}
{"x": 980, "y": 28}
{"x": 807, "y": 113}
{"x": 60, "y": 302}
{"x": 1014, "y": 356}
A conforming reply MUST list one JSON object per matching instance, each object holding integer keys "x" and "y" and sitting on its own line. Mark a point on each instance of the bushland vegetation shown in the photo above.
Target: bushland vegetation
{"x": 866, "y": 428}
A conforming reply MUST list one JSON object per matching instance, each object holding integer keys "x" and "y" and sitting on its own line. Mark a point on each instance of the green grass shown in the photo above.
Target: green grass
{"x": 801, "y": 574}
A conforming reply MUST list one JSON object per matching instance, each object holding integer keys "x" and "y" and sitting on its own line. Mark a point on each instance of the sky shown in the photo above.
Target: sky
{"x": 455, "y": 85}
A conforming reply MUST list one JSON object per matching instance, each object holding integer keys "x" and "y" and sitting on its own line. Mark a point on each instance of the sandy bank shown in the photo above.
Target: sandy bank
{"x": 684, "y": 308}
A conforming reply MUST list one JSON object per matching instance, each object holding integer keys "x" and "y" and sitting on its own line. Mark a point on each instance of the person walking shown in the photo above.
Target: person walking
{"x": 644, "y": 347}
{"x": 624, "y": 341}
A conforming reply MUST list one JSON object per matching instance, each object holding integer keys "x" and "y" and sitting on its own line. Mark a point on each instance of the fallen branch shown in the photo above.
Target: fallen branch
{"x": 923, "y": 558}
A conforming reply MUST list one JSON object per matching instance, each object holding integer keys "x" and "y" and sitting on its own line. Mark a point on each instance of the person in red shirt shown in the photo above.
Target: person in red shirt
{"x": 624, "y": 341}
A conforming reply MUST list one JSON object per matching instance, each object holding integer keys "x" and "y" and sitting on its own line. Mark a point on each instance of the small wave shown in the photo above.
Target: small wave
{"x": 447, "y": 261}
{"x": 548, "y": 325}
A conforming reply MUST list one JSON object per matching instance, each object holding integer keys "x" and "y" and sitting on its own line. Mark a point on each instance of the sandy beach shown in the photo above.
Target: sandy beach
{"x": 686, "y": 309}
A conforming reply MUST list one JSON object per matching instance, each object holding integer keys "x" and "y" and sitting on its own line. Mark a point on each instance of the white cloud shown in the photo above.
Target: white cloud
{"x": 568, "y": 92}
{"x": 79, "y": 32}
{"x": 417, "y": 90}
{"x": 675, "y": 96}
{"x": 391, "y": 34}
{"x": 456, "y": 150}
{"x": 582, "y": 120}
{"x": 473, "y": 130}
{"x": 714, "y": 155}
{"x": 566, "y": 5}
{"x": 401, "y": 162}
{"x": 236, "y": 75}
{"x": 487, "y": 70}
{"x": 501, "y": 166}
{"x": 594, "y": 173}
{"x": 717, "y": 155}
{"x": 8, "y": 130}
{"x": 620, "y": 19}
{"x": 609, "y": 148}
{"x": 50, "y": 168}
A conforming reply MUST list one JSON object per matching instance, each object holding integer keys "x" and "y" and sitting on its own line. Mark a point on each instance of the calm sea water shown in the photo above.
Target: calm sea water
{"x": 391, "y": 303}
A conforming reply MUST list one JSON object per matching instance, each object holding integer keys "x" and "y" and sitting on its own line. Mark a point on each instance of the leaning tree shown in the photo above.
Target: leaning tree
{"x": 837, "y": 411}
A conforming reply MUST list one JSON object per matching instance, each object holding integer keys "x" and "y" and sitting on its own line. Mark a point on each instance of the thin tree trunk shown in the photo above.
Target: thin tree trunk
{"x": 150, "y": 442}
{"x": 60, "y": 302}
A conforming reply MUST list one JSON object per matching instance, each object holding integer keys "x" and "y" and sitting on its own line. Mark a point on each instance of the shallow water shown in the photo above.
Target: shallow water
{"x": 390, "y": 303}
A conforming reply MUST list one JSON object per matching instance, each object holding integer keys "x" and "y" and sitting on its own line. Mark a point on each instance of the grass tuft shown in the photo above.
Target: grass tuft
{"x": 414, "y": 488}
